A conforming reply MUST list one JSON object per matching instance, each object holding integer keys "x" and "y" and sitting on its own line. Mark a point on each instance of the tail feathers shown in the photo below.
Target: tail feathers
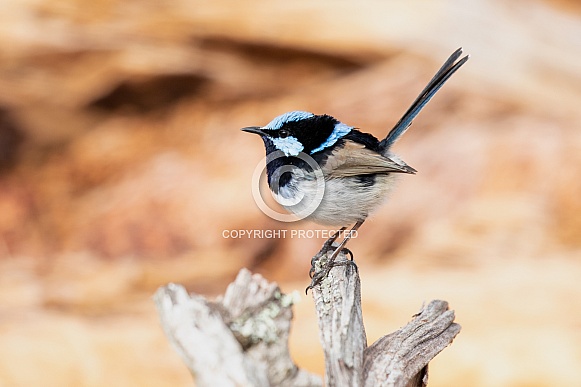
{"x": 445, "y": 72}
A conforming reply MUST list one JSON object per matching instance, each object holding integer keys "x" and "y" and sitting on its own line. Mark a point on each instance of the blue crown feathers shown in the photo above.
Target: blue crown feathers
{"x": 279, "y": 121}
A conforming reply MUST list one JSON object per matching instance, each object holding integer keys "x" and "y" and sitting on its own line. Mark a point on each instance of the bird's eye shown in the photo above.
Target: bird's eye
{"x": 283, "y": 133}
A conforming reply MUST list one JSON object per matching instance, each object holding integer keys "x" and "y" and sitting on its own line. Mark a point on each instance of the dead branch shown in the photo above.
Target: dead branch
{"x": 242, "y": 338}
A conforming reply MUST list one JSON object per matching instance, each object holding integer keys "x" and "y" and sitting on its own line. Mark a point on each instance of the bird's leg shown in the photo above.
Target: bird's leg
{"x": 326, "y": 246}
{"x": 318, "y": 277}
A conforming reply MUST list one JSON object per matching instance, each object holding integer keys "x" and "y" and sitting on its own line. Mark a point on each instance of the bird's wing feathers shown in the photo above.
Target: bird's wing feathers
{"x": 354, "y": 159}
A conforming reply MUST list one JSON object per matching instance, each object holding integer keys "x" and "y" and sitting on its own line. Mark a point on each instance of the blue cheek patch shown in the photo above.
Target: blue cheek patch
{"x": 290, "y": 146}
{"x": 279, "y": 121}
{"x": 340, "y": 131}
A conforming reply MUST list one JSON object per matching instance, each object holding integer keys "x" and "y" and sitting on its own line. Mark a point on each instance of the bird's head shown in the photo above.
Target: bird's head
{"x": 299, "y": 131}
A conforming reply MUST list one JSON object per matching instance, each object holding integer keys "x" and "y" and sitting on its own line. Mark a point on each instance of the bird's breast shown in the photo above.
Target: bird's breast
{"x": 341, "y": 202}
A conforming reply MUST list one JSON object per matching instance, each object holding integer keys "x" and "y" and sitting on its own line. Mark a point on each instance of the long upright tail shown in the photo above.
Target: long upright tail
{"x": 445, "y": 72}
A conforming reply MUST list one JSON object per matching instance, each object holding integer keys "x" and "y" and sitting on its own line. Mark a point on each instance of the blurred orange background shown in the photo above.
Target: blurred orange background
{"x": 122, "y": 163}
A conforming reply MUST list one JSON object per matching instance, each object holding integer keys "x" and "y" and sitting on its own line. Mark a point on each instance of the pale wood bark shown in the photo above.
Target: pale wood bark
{"x": 399, "y": 359}
{"x": 241, "y": 339}
{"x": 341, "y": 331}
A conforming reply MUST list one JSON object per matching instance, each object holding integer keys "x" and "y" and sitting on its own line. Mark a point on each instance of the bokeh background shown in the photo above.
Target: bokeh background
{"x": 121, "y": 164}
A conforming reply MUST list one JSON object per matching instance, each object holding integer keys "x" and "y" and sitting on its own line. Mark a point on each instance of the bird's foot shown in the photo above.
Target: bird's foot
{"x": 347, "y": 251}
{"x": 328, "y": 245}
{"x": 321, "y": 253}
{"x": 318, "y": 276}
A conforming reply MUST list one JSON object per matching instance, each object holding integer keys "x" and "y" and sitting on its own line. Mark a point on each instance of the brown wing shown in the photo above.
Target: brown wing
{"x": 354, "y": 159}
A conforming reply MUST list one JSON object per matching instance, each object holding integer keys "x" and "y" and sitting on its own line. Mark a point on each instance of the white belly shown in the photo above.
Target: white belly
{"x": 344, "y": 201}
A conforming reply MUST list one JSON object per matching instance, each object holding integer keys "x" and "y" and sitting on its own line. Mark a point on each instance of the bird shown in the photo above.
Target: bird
{"x": 357, "y": 169}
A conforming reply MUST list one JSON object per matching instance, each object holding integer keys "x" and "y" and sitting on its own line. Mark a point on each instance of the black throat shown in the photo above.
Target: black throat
{"x": 280, "y": 168}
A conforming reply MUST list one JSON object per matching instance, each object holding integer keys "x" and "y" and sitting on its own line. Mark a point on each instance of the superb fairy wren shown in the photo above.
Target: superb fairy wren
{"x": 356, "y": 169}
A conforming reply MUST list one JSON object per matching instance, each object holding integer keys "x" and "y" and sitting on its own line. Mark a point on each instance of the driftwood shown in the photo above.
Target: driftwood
{"x": 241, "y": 339}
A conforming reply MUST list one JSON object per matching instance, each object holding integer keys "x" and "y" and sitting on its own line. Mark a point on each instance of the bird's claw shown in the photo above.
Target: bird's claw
{"x": 316, "y": 258}
{"x": 328, "y": 245}
{"x": 319, "y": 276}
{"x": 347, "y": 251}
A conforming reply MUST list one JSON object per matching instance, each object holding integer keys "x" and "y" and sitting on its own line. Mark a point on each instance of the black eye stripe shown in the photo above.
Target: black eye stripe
{"x": 282, "y": 133}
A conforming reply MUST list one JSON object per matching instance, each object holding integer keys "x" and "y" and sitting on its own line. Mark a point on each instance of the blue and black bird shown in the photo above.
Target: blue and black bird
{"x": 356, "y": 168}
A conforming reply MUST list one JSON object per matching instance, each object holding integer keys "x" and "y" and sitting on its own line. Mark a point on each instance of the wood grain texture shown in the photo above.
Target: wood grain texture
{"x": 242, "y": 338}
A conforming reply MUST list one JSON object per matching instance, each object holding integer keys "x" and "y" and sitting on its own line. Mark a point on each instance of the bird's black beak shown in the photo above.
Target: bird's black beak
{"x": 254, "y": 129}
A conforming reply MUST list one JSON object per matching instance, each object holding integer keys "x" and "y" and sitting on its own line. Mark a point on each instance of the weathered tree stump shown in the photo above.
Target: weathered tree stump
{"x": 241, "y": 339}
